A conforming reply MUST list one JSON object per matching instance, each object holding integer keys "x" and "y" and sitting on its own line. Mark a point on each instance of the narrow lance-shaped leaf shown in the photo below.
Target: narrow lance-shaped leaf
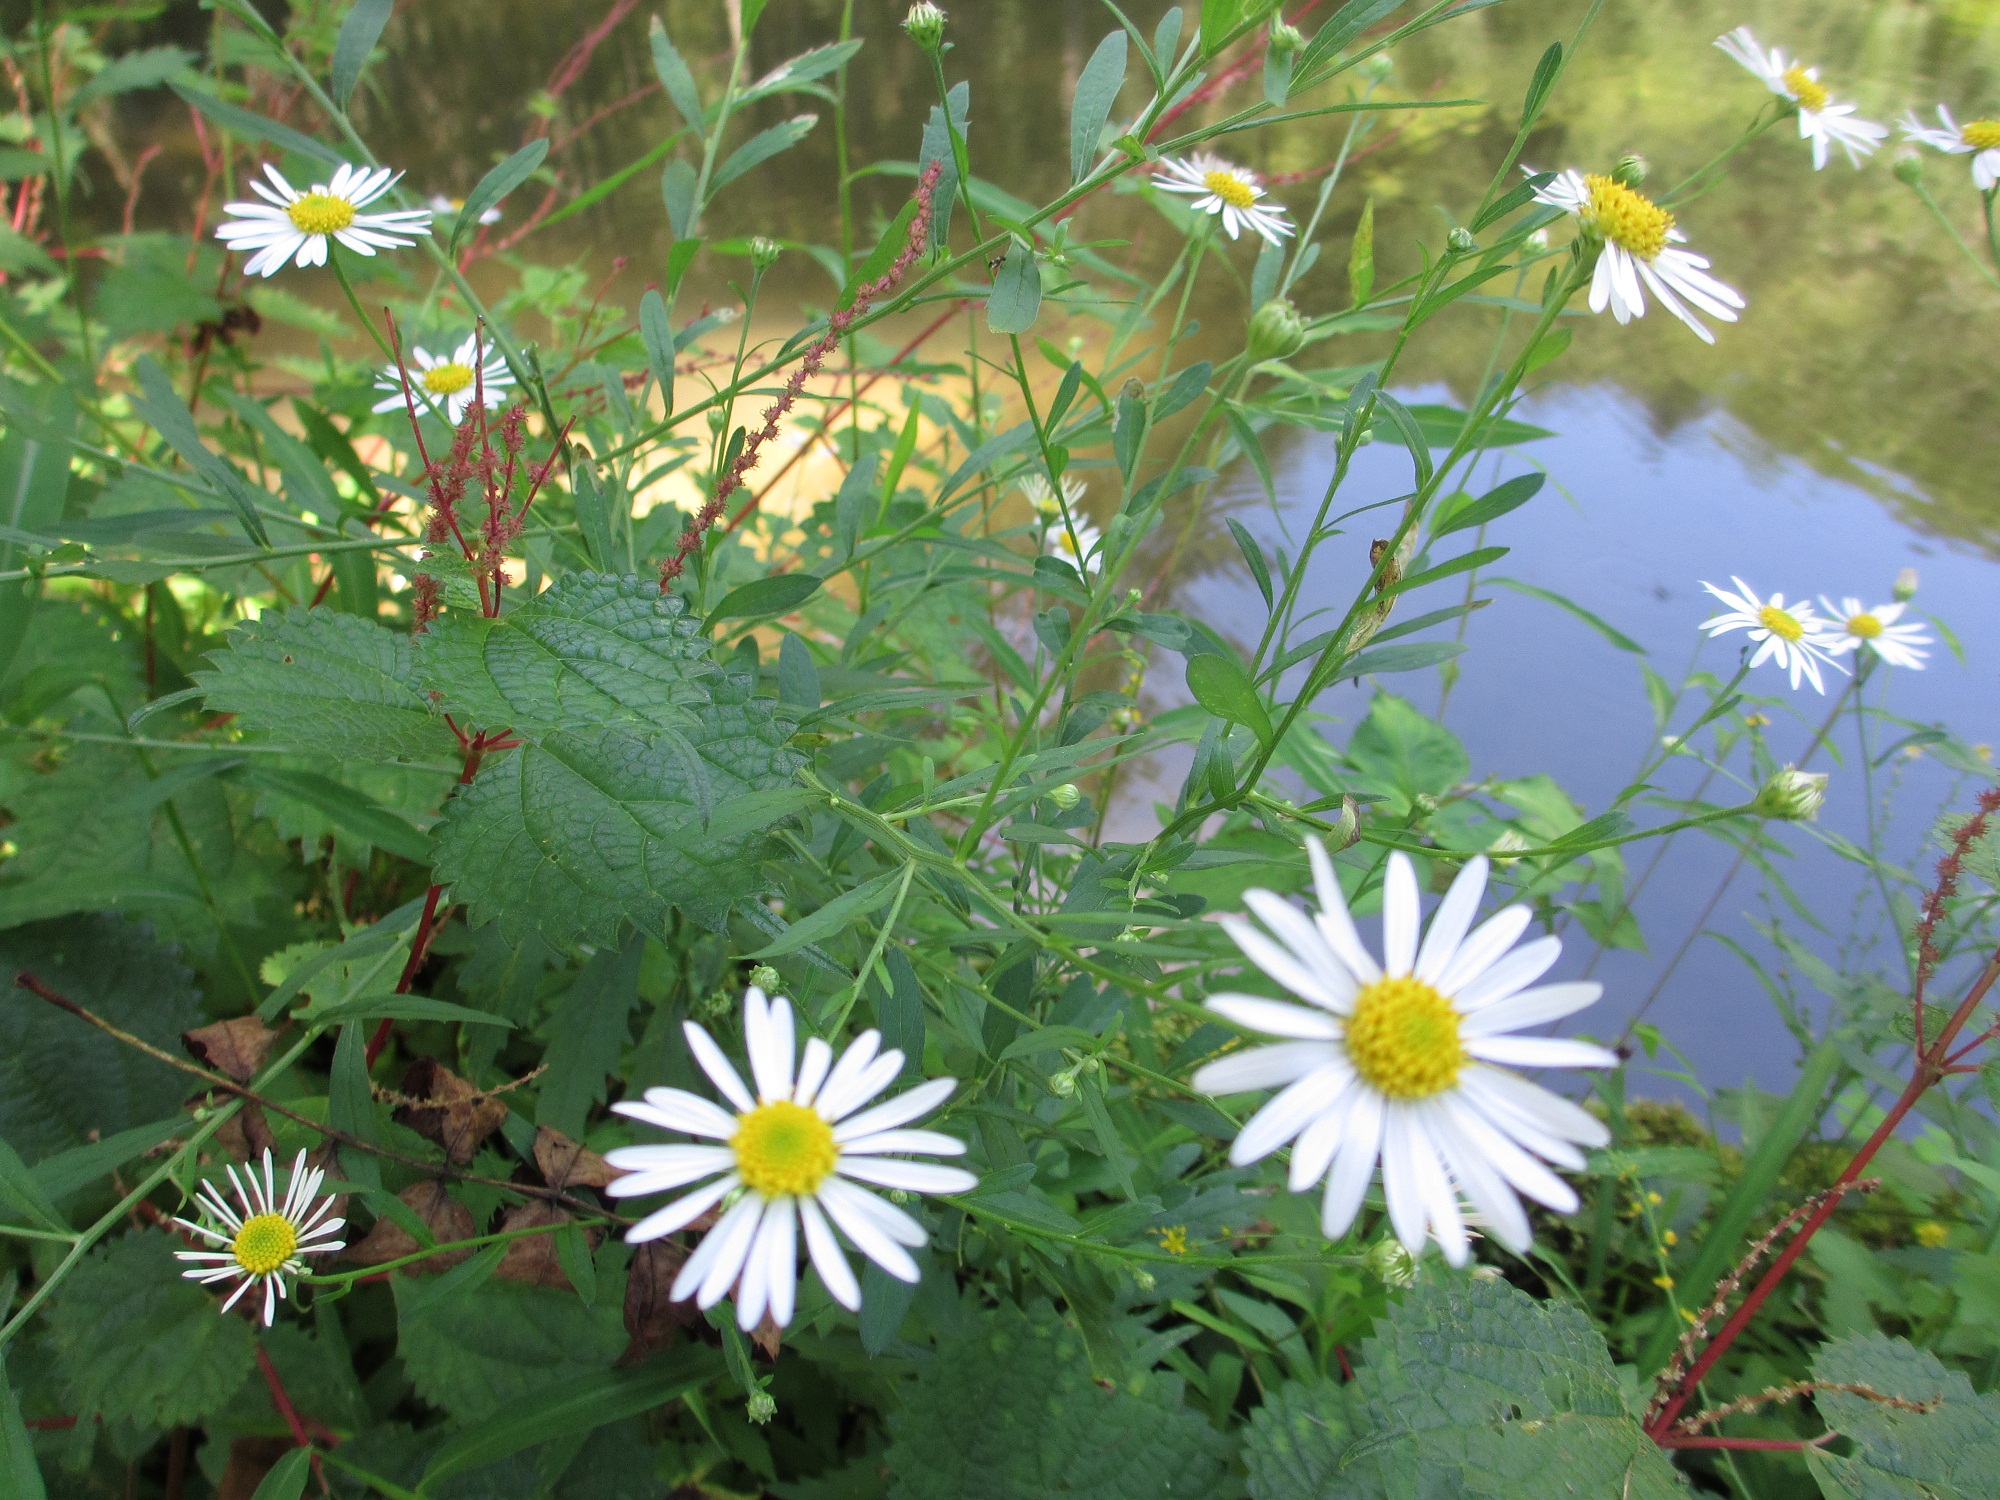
{"x": 358, "y": 36}
{"x": 497, "y": 184}
{"x": 1096, "y": 91}
{"x": 674, "y": 76}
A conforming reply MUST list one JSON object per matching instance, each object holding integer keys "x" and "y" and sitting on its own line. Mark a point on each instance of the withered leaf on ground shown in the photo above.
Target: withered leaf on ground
{"x": 534, "y": 1259}
{"x": 565, "y": 1163}
{"x": 245, "y": 1135}
{"x": 445, "y": 1218}
{"x": 236, "y": 1047}
{"x": 651, "y": 1320}
{"x": 454, "y": 1113}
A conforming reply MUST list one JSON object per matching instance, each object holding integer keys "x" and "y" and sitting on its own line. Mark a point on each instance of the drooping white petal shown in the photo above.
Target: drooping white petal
{"x": 827, "y": 1257}
{"x": 682, "y": 1211}
{"x": 1439, "y": 1196}
{"x": 1354, "y": 1165}
{"x": 842, "y": 1203}
{"x": 781, "y": 1249}
{"x": 1401, "y": 1185}
{"x": 1313, "y": 1152}
{"x": 1551, "y": 1112}
{"x": 1497, "y": 1147}
{"x": 753, "y": 1287}
{"x": 721, "y": 1072}
{"x": 1289, "y": 1111}
{"x": 1478, "y": 1178}
{"x": 718, "y": 1260}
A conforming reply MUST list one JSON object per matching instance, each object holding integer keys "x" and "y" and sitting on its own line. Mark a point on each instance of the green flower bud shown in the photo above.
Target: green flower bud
{"x": 1792, "y": 795}
{"x": 1144, "y": 1280}
{"x": 765, "y": 978}
{"x": 1505, "y": 850}
{"x": 1276, "y": 331}
{"x": 925, "y": 25}
{"x": 1906, "y": 585}
{"x": 1391, "y": 1263}
{"x": 761, "y": 1407}
{"x": 1908, "y": 167}
{"x": 1461, "y": 240}
{"x": 1286, "y": 38}
{"x": 764, "y": 253}
{"x": 1063, "y": 1084}
{"x": 1631, "y": 170}
{"x": 1065, "y": 796}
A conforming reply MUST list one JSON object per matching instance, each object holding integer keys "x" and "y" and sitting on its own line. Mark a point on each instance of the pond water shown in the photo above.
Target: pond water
{"x": 1843, "y": 430}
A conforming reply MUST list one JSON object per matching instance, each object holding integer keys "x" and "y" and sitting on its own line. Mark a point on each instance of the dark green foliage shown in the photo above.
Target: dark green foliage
{"x": 469, "y": 1350}
{"x": 1901, "y": 1454}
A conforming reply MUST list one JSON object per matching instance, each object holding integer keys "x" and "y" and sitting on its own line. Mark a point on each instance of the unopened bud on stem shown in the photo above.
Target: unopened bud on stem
{"x": 765, "y": 978}
{"x": 1631, "y": 170}
{"x": 1906, "y": 585}
{"x": 1792, "y": 795}
{"x": 925, "y": 25}
{"x": 1276, "y": 331}
{"x": 1065, "y": 796}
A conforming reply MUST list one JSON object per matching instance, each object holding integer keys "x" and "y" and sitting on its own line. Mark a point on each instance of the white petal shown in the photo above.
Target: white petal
{"x": 1440, "y": 1197}
{"x": 1289, "y": 1112}
{"x": 909, "y": 1176}
{"x": 1488, "y": 941}
{"x": 1335, "y": 923}
{"x": 922, "y": 1142}
{"x": 718, "y": 1068}
{"x": 1540, "y": 1052}
{"x": 681, "y": 1212}
{"x": 812, "y": 1070}
{"x": 1276, "y": 1018}
{"x": 842, "y": 1201}
{"x": 1313, "y": 1152}
{"x": 1261, "y": 1067}
{"x": 828, "y": 1259}
{"x": 1288, "y": 968}
{"x": 781, "y": 1250}
{"x": 1400, "y": 1183}
{"x": 677, "y": 1109}
{"x": 659, "y": 1169}
{"x": 754, "y": 1288}
{"x": 1452, "y": 920}
{"x": 1498, "y": 1148}
{"x": 1478, "y": 1179}
{"x": 840, "y": 1082}
{"x": 1402, "y": 913}
{"x": 1296, "y": 931}
{"x": 769, "y": 1040}
{"x": 1549, "y": 1111}
{"x": 728, "y": 1245}
{"x": 912, "y": 1105}
{"x": 1509, "y": 976}
{"x": 1549, "y": 1002}
{"x": 1354, "y": 1165}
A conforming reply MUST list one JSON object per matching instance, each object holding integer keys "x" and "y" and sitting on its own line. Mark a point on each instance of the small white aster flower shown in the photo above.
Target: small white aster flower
{"x": 790, "y": 1157}
{"x": 1638, "y": 253}
{"x": 1855, "y": 627}
{"x": 1791, "y": 634}
{"x": 449, "y": 208}
{"x": 294, "y": 226}
{"x": 1406, "y": 1061}
{"x": 1043, "y": 497}
{"x": 446, "y": 382}
{"x": 1981, "y": 138}
{"x": 1821, "y": 120}
{"x": 1223, "y": 188}
{"x": 1078, "y": 549}
{"x": 268, "y": 1240}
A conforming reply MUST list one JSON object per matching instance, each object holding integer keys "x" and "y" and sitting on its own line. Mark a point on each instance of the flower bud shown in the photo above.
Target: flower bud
{"x": 1906, "y": 585}
{"x": 764, "y": 253}
{"x": 1631, "y": 170}
{"x": 1461, "y": 240}
{"x": 1792, "y": 795}
{"x": 1286, "y": 38}
{"x": 761, "y": 1407}
{"x": 1391, "y": 1263}
{"x": 1908, "y": 167}
{"x": 1065, "y": 796}
{"x": 1144, "y": 1280}
{"x": 1377, "y": 68}
{"x": 925, "y": 25}
{"x": 765, "y": 978}
{"x": 1276, "y": 331}
{"x": 1506, "y": 849}
{"x": 1063, "y": 1084}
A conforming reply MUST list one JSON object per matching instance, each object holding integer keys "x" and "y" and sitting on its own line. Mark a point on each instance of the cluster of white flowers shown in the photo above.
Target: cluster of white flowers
{"x": 1801, "y": 640}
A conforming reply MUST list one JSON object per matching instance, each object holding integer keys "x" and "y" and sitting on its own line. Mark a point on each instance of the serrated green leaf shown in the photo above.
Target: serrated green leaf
{"x": 1044, "y": 1426}
{"x": 137, "y": 1342}
{"x": 320, "y": 680}
{"x": 1952, "y": 1449}
{"x": 472, "y": 1349}
{"x": 589, "y": 1028}
{"x": 1294, "y": 1443}
{"x": 20, "y": 1475}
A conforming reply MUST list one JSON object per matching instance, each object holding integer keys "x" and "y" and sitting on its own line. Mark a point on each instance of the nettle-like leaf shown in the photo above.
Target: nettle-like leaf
{"x": 1467, "y": 1388}
{"x": 61, "y": 1078}
{"x": 644, "y": 777}
{"x": 1009, "y": 1409}
{"x": 135, "y": 1342}
{"x": 472, "y": 1349}
{"x": 1952, "y": 1449}
{"x": 1402, "y": 755}
{"x": 328, "y": 681}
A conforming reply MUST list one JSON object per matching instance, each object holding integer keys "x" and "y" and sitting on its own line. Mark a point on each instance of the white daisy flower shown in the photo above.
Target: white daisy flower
{"x": 444, "y": 382}
{"x": 449, "y": 208}
{"x": 267, "y": 1241}
{"x": 1898, "y": 645}
{"x": 1638, "y": 253}
{"x": 1821, "y": 120}
{"x": 1791, "y": 633}
{"x": 1222, "y": 187}
{"x": 1979, "y": 137}
{"x": 1079, "y": 548}
{"x": 1042, "y": 495}
{"x": 789, "y": 1157}
{"x": 294, "y": 226}
{"x": 1407, "y": 1061}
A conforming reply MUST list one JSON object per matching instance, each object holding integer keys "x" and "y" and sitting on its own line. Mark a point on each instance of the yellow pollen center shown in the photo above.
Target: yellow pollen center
{"x": 1805, "y": 88}
{"x": 1981, "y": 135}
{"x": 1781, "y": 623}
{"x": 1628, "y": 219}
{"x": 783, "y": 1149}
{"x": 447, "y": 379}
{"x": 1230, "y": 188}
{"x": 1403, "y": 1039}
{"x": 1865, "y": 626}
{"x": 264, "y": 1243}
{"x": 320, "y": 213}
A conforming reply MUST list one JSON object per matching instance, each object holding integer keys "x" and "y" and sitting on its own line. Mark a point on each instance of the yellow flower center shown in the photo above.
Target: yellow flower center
{"x": 1932, "y": 1234}
{"x": 1981, "y": 135}
{"x": 264, "y": 1243}
{"x": 1865, "y": 626}
{"x": 1403, "y": 1039}
{"x": 320, "y": 213}
{"x": 1805, "y": 88}
{"x": 1628, "y": 219}
{"x": 447, "y": 379}
{"x": 1781, "y": 623}
{"x": 1230, "y": 188}
{"x": 783, "y": 1149}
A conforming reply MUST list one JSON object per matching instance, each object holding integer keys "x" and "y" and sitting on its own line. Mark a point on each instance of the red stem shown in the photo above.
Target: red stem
{"x": 1752, "y": 1445}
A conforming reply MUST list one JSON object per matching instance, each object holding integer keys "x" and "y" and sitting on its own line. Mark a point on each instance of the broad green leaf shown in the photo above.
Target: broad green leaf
{"x": 1096, "y": 92}
{"x": 473, "y": 1348}
{"x": 496, "y": 185}
{"x": 319, "y": 680}
{"x": 936, "y": 147}
{"x": 20, "y": 1475}
{"x": 1403, "y": 755}
{"x": 1219, "y": 19}
{"x": 359, "y": 33}
{"x": 1221, "y": 686}
{"x": 61, "y": 1079}
{"x": 1952, "y": 1449}
{"x": 589, "y": 1029}
{"x": 759, "y": 149}
{"x": 1016, "y": 299}
{"x": 352, "y": 811}
{"x": 136, "y": 1342}
{"x": 256, "y": 127}
{"x": 674, "y": 76}
{"x": 1044, "y": 1426}
{"x": 170, "y": 417}
{"x": 287, "y": 1477}
{"x": 1295, "y": 1441}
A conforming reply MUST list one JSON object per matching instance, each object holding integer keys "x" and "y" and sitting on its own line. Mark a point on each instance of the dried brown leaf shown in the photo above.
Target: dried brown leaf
{"x": 565, "y": 1163}
{"x": 767, "y": 1336}
{"x": 237, "y": 1047}
{"x": 245, "y": 1135}
{"x": 534, "y": 1258}
{"x": 445, "y": 1218}
{"x": 454, "y": 1114}
{"x": 652, "y": 1321}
